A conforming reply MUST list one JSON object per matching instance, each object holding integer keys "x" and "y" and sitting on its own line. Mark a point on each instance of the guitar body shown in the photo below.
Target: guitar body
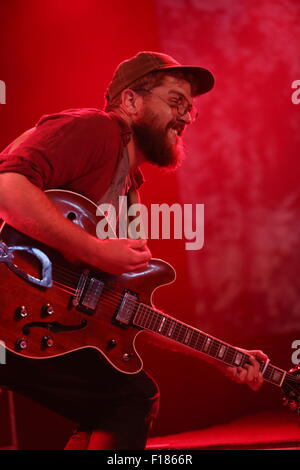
{"x": 41, "y": 322}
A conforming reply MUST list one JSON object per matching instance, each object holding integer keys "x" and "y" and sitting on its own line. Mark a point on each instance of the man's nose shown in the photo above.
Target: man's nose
{"x": 186, "y": 117}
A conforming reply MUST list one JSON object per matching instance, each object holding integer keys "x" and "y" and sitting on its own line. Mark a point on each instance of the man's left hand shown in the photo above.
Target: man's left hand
{"x": 249, "y": 373}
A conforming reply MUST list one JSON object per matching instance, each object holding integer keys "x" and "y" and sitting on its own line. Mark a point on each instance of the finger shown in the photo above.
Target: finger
{"x": 251, "y": 372}
{"x": 256, "y": 383}
{"x": 138, "y": 244}
{"x": 141, "y": 257}
{"x": 230, "y": 372}
{"x": 243, "y": 374}
{"x": 138, "y": 267}
{"x": 144, "y": 249}
{"x": 259, "y": 354}
{"x": 240, "y": 375}
{"x": 254, "y": 367}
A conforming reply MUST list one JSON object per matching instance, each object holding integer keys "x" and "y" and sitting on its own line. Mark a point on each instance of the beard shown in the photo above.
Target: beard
{"x": 154, "y": 141}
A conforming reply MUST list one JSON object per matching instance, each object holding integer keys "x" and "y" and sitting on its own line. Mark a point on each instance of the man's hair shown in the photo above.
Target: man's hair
{"x": 150, "y": 81}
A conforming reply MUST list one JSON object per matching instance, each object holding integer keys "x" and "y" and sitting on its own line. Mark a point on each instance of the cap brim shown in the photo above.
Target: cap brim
{"x": 204, "y": 79}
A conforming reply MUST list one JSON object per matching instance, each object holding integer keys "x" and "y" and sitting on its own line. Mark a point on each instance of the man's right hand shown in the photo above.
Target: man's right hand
{"x": 28, "y": 209}
{"x": 120, "y": 255}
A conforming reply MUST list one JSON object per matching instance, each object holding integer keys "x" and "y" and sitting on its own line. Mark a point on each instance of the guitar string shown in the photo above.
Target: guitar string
{"x": 114, "y": 299}
{"x": 181, "y": 335}
{"x": 117, "y": 295}
{"x": 74, "y": 277}
{"x": 73, "y": 290}
{"x": 214, "y": 348}
{"x": 155, "y": 315}
{"x": 230, "y": 353}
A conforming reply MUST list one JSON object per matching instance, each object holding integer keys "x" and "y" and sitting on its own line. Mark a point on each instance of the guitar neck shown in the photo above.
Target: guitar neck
{"x": 148, "y": 318}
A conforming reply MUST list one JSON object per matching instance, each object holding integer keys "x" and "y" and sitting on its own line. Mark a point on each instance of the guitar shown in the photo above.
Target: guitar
{"x": 50, "y": 307}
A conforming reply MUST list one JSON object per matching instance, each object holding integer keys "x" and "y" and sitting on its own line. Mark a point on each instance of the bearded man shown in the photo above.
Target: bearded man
{"x": 149, "y": 103}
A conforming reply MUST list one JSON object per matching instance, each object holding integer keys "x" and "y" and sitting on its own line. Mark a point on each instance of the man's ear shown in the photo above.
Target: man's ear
{"x": 130, "y": 101}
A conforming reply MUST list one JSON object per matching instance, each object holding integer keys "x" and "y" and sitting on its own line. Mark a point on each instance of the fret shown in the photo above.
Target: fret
{"x": 143, "y": 312}
{"x": 176, "y": 332}
{"x": 171, "y": 328}
{"x": 165, "y": 327}
{"x": 207, "y": 344}
{"x": 200, "y": 340}
{"x": 228, "y": 357}
{"x": 155, "y": 321}
{"x": 193, "y": 339}
{"x": 138, "y": 315}
{"x": 141, "y": 315}
{"x": 215, "y": 348}
{"x": 182, "y": 332}
{"x": 162, "y": 322}
{"x": 274, "y": 375}
{"x": 277, "y": 376}
{"x": 188, "y": 336}
{"x": 222, "y": 351}
{"x": 238, "y": 358}
{"x": 151, "y": 319}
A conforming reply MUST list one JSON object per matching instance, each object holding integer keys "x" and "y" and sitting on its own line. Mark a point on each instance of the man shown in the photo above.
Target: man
{"x": 149, "y": 102}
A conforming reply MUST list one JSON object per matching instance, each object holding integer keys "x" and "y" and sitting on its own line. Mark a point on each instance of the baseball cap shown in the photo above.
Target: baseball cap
{"x": 147, "y": 61}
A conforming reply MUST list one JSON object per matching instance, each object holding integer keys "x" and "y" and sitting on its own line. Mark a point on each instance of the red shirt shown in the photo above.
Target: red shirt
{"x": 76, "y": 149}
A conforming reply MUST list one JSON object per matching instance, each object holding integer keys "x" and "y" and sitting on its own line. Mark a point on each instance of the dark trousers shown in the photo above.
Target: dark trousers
{"x": 84, "y": 388}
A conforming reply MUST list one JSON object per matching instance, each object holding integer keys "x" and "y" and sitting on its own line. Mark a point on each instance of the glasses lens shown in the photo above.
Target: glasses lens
{"x": 187, "y": 108}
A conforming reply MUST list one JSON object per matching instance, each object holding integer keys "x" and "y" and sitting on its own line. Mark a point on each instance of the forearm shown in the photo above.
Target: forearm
{"x": 27, "y": 208}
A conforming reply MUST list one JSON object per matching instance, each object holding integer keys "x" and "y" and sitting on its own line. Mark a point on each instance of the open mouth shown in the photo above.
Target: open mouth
{"x": 177, "y": 129}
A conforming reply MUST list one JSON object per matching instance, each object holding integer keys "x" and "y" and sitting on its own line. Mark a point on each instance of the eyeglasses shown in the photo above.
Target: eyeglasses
{"x": 181, "y": 104}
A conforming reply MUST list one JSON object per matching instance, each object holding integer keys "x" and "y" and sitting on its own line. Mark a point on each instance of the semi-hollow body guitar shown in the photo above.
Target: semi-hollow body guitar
{"x": 50, "y": 307}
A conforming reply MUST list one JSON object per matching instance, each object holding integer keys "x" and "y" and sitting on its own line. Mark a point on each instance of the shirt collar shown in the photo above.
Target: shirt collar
{"x": 124, "y": 127}
{"x": 136, "y": 174}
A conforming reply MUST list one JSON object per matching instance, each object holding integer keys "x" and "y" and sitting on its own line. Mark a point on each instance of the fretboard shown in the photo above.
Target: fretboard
{"x": 148, "y": 318}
